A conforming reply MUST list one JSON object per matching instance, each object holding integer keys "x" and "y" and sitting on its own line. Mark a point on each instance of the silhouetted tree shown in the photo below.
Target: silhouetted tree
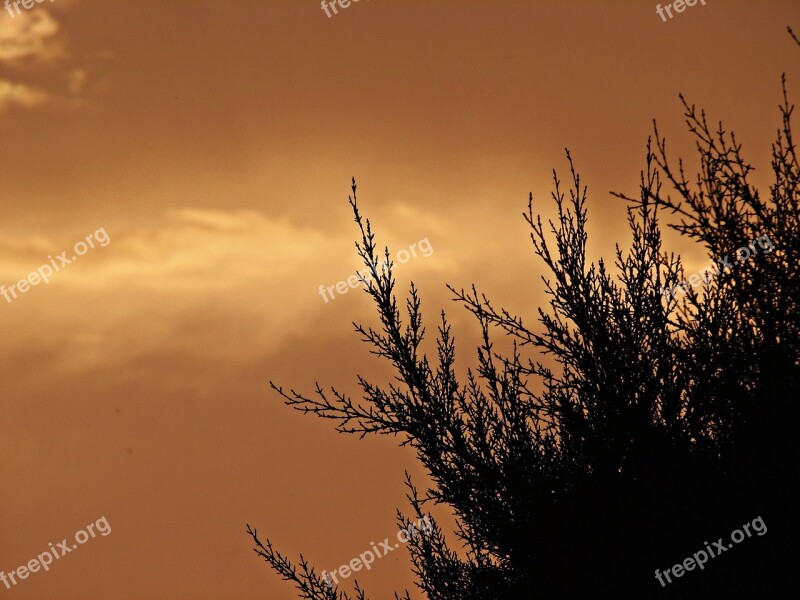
{"x": 668, "y": 421}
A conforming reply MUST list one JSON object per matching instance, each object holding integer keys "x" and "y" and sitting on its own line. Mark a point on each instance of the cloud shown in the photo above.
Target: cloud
{"x": 221, "y": 285}
{"x": 30, "y": 36}
{"x": 20, "y": 94}
{"x": 33, "y": 40}
{"x": 219, "y": 220}
{"x": 76, "y": 80}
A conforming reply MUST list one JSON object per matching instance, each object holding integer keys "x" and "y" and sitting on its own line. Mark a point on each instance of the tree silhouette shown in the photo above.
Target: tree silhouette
{"x": 666, "y": 422}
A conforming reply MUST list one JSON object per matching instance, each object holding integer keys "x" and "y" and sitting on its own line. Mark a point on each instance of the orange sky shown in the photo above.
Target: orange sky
{"x": 214, "y": 142}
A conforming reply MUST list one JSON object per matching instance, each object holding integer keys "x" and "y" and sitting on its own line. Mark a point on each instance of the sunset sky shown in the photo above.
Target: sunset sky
{"x": 214, "y": 142}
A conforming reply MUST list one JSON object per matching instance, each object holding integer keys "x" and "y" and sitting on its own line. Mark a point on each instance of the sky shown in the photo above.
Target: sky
{"x": 207, "y": 149}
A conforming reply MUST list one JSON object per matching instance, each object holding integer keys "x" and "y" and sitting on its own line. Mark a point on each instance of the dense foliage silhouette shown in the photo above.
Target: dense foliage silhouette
{"x": 667, "y": 422}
